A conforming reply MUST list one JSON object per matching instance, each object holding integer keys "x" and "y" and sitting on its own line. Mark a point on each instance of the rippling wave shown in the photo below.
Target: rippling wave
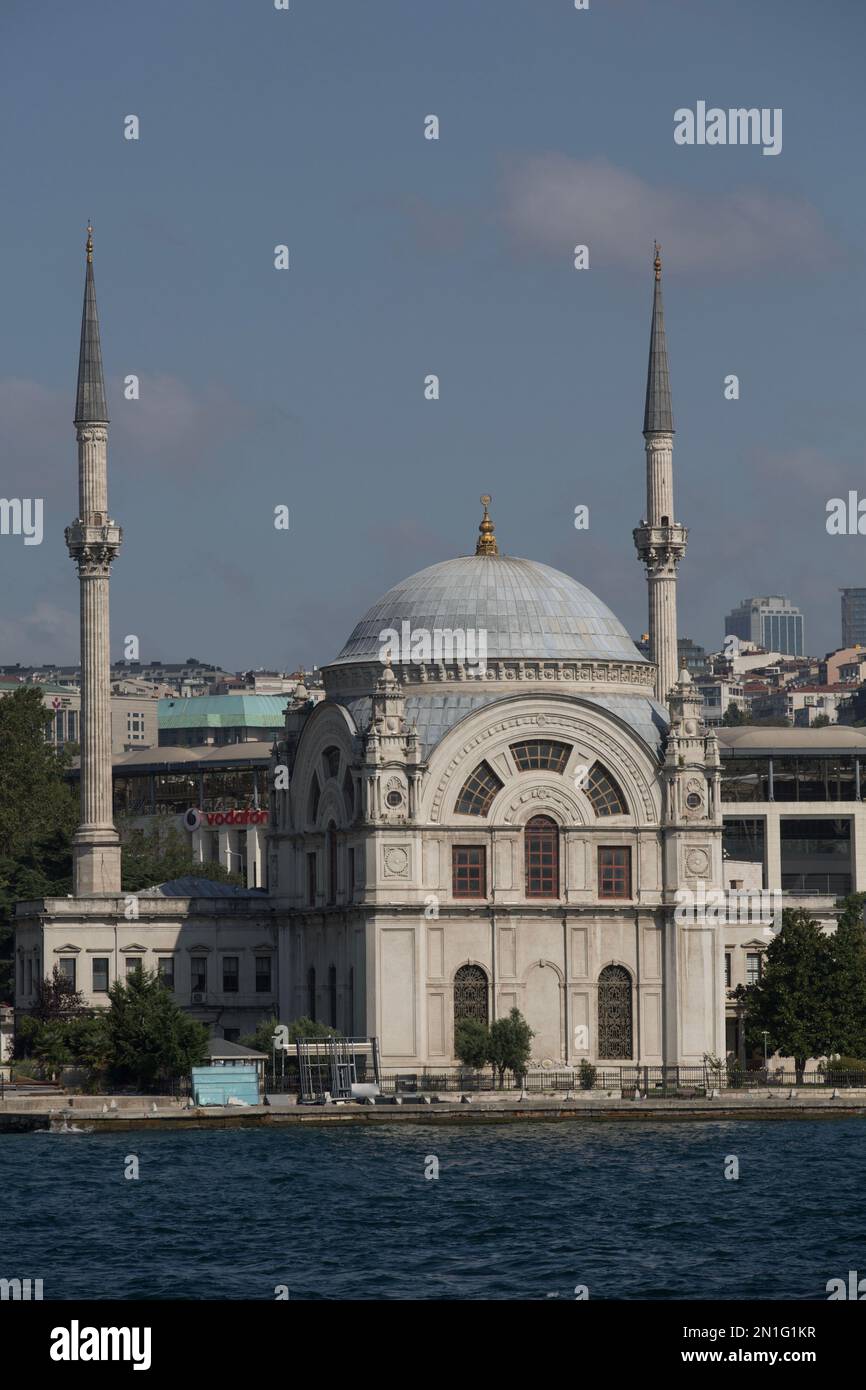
{"x": 632, "y": 1211}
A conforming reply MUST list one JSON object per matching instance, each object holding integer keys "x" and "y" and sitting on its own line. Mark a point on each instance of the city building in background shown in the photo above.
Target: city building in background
{"x": 691, "y": 657}
{"x": 133, "y": 717}
{"x": 853, "y": 617}
{"x": 771, "y": 622}
{"x": 718, "y": 694}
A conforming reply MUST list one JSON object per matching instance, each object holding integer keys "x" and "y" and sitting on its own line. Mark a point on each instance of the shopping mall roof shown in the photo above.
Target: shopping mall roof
{"x": 223, "y": 712}
{"x": 756, "y": 740}
{"x": 255, "y": 753}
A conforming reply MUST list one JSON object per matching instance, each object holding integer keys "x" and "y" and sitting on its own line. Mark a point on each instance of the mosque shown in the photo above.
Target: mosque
{"x": 451, "y": 835}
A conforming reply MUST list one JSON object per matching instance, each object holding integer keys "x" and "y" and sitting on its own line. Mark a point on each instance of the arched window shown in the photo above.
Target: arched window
{"x": 315, "y": 791}
{"x": 311, "y": 993}
{"x": 604, "y": 792}
{"x": 478, "y": 791}
{"x": 541, "y": 856}
{"x": 614, "y": 1013}
{"x": 332, "y": 994}
{"x": 541, "y": 754}
{"x": 331, "y": 836}
{"x": 331, "y": 759}
{"x": 470, "y": 994}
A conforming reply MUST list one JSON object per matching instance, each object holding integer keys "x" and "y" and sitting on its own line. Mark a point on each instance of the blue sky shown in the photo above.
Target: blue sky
{"x": 409, "y": 257}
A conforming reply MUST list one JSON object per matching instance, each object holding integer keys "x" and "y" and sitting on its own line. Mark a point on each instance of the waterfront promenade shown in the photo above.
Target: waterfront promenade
{"x": 19, "y": 1113}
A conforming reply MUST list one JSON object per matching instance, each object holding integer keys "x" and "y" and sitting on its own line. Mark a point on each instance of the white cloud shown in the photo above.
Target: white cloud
{"x": 46, "y": 633}
{"x": 555, "y": 202}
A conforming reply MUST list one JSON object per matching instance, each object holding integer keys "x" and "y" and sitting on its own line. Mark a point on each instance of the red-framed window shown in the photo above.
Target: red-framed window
{"x": 541, "y": 857}
{"x": 614, "y": 871}
{"x": 469, "y": 871}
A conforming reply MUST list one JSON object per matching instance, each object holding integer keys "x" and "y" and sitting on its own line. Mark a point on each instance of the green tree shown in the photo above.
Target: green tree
{"x": 794, "y": 1000}
{"x": 848, "y": 946}
{"x": 149, "y": 1038}
{"x": 87, "y": 1040}
{"x": 733, "y": 716}
{"x": 51, "y": 1048}
{"x": 38, "y": 814}
{"x": 158, "y": 855}
{"x": 472, "y": 1042}
{"x": 57, "y": 998}
{"x": 510, "y": 1044}
{"x": 262, "y": 1040}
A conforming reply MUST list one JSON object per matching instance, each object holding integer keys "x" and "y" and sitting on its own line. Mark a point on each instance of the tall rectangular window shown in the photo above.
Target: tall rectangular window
{"x": 133, "y": 965}
{"x": 198, "y": 974}
{"x": 541, "y": 857}
{"x": 263, "y": 974}
{"x": 100, "y": 974}
{"x": 753, "y": 967}
{"x": 67, "y": 968}
{"x": 165, "y": 971}
{"x": 469, "y": 871}
{"x": 614, "y": 871}
{"x": 311, "y": 880}
{"x": 231, "y": 973}
{"x": 332, "y": 864}
{"x": 727, "y": 970}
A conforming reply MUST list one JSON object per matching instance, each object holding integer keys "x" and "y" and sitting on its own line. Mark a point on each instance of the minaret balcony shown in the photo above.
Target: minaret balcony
{"x": 660, "y": 546}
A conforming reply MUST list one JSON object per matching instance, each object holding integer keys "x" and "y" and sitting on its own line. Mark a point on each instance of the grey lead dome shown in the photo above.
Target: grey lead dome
{"x": 528, "y": 610}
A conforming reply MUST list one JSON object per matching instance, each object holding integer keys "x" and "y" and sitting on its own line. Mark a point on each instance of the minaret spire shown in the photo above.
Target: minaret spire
{"x": 90, "y": 404}
{"x": 658, "y": 416}
{"x": 93, "y": 540}
{"x": 660, "y": 540}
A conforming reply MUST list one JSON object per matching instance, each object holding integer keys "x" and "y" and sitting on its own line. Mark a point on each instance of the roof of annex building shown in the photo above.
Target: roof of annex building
{"x": 743, "y": 740}
{"x": 222, "y": 711}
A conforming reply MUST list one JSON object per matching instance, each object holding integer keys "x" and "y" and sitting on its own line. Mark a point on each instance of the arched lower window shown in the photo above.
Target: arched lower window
{"x": 541, "y": 856}
{"x": 614, "y": 1013}
{"x": 470, "y": 994}
{"x": 311, "y": 993}
{"x": 332, "y": 994}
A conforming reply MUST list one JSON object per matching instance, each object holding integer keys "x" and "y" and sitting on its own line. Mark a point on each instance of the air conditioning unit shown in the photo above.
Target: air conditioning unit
{"x": 198, "y": 998}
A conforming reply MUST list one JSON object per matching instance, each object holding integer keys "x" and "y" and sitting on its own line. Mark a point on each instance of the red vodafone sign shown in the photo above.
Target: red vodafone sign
{"x": 193, "y": 818}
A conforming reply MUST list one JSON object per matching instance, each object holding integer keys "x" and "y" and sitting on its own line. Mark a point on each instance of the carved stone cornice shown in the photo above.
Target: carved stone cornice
{"x": 361, "y": 679}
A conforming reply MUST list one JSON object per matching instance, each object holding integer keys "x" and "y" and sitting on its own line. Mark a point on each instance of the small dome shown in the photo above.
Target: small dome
{"x": 527, "y": 610}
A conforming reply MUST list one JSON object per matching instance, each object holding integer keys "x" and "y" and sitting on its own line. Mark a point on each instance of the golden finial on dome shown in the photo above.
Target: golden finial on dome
{"x": 486, "y": 544}
{"x": 89, "y": 244}
{"x": 658, "y": 260}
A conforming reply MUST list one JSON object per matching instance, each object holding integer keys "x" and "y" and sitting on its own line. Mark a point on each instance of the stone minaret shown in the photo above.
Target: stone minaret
{"x": 660, "y": 540}
{"x": 93, "y": 540}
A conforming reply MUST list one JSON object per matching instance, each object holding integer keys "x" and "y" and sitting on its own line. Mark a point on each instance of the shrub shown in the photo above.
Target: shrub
{"x": 586, "y": 1075}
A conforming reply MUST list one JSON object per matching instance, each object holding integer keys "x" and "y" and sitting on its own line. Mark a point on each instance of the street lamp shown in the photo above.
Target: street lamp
{"x": 765, "y": 1034}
